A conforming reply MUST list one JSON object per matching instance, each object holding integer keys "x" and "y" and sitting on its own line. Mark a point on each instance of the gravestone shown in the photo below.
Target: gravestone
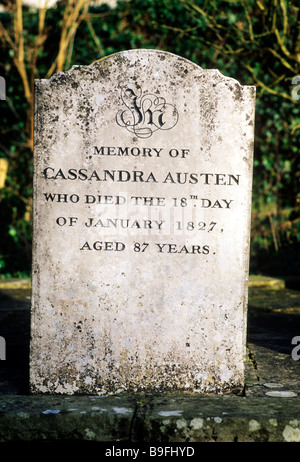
{"x": 142, "y": 196}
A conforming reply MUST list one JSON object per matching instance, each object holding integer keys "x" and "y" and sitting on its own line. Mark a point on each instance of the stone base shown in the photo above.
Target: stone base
{"x": 267, "y": 410}
{"x": 179, "y": 419}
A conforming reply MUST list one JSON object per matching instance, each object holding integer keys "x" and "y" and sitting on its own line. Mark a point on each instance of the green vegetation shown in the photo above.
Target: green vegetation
{"x": 255, "y": 41}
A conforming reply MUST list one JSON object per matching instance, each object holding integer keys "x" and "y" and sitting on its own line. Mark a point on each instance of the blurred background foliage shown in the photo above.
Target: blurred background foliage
{"x": 256, "y": 42}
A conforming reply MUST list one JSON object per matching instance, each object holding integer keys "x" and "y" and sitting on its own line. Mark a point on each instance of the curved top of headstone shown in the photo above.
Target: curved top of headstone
{"x": 141, "y": 58}
{"x": 129, "y": 88}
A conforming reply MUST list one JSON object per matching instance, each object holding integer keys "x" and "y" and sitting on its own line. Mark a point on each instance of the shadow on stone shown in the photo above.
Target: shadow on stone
{"x": 273, "y": 331}
{"x": 15, "y": 329}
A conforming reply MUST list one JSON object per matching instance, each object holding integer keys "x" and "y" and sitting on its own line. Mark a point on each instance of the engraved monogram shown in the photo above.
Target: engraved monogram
{"x": 146, "y": 113}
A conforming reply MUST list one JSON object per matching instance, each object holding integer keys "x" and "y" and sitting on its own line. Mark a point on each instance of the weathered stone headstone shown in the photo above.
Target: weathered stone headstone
{"x": 142, "y": 193}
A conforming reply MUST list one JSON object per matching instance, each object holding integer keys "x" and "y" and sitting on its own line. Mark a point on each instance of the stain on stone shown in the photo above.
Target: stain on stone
{"x": 238, "y": 93}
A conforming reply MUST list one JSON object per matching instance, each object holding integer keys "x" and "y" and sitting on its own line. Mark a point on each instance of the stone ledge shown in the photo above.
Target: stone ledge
{"x": 266, "y": 281}
{"x": 15, "y": 283}
{"x": 149, "y": 419}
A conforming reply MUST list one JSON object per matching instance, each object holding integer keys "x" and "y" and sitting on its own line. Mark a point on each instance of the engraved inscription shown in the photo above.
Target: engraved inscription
{"x": 146, "y": 113}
